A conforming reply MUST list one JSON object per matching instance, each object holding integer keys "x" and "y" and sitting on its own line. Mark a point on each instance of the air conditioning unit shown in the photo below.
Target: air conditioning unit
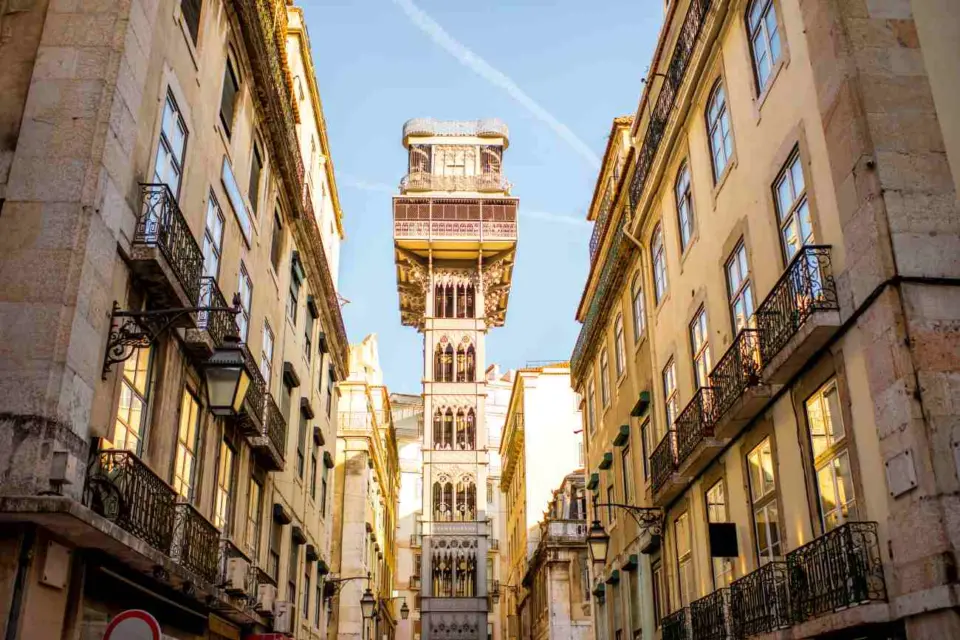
{"x": 283, "y": 617}
{"x": 266, "y": 597}
{"x": 237, "y": 569}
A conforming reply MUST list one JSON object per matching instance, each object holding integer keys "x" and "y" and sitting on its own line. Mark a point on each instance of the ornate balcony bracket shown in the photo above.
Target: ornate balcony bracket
{"x": 132, "y": 330}
{"x": 648, "y": 519}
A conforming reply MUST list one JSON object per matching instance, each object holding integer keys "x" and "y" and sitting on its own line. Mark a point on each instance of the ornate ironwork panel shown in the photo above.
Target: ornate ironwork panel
{"x": 195, "y": 542}
{"x": 256, "y": 398}
{"x": 606, "y": 207}
{"x": 217, "y": 323}
{"x": 274, "y": 426}
{"x": 840, "y": 569}
{"x": 807, "y": 286}
{"x": 122, "y": 488}
{"x": 760, "y": 602}
{"x": 424, "y": 180}
{"x": 695, "y": 422}
{"x": 163, "y": 226}
{"x": 663, "y": 460}
{"x": 710, "y": 616}
{"x": 738, "y": 369}
{"x": 675, "y": 626}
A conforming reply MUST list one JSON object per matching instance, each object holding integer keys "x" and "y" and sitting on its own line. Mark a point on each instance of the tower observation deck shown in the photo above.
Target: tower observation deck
{"x": 455, "y": 238}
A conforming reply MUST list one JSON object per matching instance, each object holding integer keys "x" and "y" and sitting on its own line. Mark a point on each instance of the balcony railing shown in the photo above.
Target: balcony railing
{"x": 424, "y": 181}
{"x": 738, "y": 369}
{"x": 229, "y": 550}
{"x": 663, "y": 460}
{"x": 123, "y": 489}
{"x": 807, "y": 286}
{"x": 195, "y": 543}
{"x": 254, "y": 403}
{"x": 759, "y": 601}
{"x": 567, "y": 530}
{"x": 494, "y": 544}
{"x": 695, "y": 423}
{"x": 162, "y": 225}
{"x": 464, "y": 218}
{"x": 416, "y": 539}
{"x": 840, "y": 569}
{"x": 216, "y": 323}
{"x": 415, "y": 581}
{"x": 606, "y": 206}
{"x": 710, "y": 616}
{"x": 675, "y": 626}
{"x": 275, "y": 426}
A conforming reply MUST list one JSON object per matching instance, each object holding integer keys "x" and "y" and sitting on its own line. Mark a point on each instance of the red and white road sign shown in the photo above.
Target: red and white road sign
{"x": 134, "y": 624}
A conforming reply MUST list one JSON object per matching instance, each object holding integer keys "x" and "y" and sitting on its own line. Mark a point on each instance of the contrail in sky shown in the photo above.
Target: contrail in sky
{"x": 482, "y": 68}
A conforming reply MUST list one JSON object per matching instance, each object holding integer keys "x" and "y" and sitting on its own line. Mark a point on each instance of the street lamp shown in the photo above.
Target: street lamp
{"x": 367, "y": 604}
{"x": 598, "y": 541}
{"x": 227, "y": 378}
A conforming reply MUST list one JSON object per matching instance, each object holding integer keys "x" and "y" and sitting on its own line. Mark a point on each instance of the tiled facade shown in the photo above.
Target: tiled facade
{"x": 788, "y": 214}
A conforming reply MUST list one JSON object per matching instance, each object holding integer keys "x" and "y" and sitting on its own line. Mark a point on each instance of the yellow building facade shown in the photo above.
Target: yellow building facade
{"x": 767, "y": 328}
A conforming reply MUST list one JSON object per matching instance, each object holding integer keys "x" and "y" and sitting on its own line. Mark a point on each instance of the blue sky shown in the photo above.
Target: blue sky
{"x": 581, "y": 63}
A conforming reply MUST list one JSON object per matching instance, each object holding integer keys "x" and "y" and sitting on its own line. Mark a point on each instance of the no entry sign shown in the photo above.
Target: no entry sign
{"x": 134, "y": 624}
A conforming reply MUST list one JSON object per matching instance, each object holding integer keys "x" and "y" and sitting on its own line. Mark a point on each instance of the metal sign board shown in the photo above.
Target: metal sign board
{"x": 134, "y": 624}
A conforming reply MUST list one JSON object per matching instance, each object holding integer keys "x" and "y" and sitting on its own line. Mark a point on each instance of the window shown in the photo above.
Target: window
{"x": 170, "y": 150}
{"x": 306, "y": 592}
{"x": 659, "y": 264}
{"x": 318, "y": 603}
{"x": 604, "y": 378}
{"x": 764, "y": 39}
{"x": 313, "y": 472}
{"x": 331, "y": 379}
{"x": 223, "y": 508}
{"x": 636, "y": 604}
{"x": 626, "y": 474}
{"x": 638, "y": 320}
{"x": 671, "y": 400}
{"x": 611, "y": 498}
{"x": 741, "y": 291}
{"x": 647, "y": 447}
{"x": 308, "y": 336}
{"x": 700, "y": 347}
{"x": 718, "y": 126}
{"x": 684, "y": 205}
{"x": 128, "y": 430}
{"x": 188, "y": 439}
{"x": 266, "y": 354}
{"x": 659, "y": 595}
{"x": 212, "y": 241}
{"x": 615, "y": 594}
{"x": 190, "y": 9}
{"x": 301, "y": 444}
{"x": 256, "y": 168}
{"x": 293, "y": 561}
{"x": 717, "y": 512}
{"x": 793, "y": 211}
{"x": 620, "y": 355}
{"x": 293, "y": 299}
{"x": 591, "y": 407}
{"x": 685, "y": 584}
{"x": 254, "y": 514}
{"x": 763, "y": 497}
{"x": 830, "y": 457}
{"x": 323, "y": 489}
{"x": 276, "y": 242}
{"x": 245, "y": 288}
{"x": 228, "y": 99}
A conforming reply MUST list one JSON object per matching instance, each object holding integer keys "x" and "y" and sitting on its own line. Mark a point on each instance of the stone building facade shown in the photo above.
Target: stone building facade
{"x": 365, "y": 512}
{"x": 128, "y": 129}
{"x": 771, "y": 320}
{"x": 455, "y": 233}
{"x": 408, "y": 422}
{"x": 556, "y": 604}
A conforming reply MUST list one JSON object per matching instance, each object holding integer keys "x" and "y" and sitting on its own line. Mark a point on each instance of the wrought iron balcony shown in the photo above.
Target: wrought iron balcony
{"x": 481, "y": 220}
{"x": 416, "y": 539}
{"x": 663, "y": 461}
{"x": 737, "y": 371}
{"x": 695, "y": 423}
{"x": 195, "y": 544}
{"x": 840, "y": 569}
{"x": 425, "y": 181}
{"x": 415, "y": 581}
{"x": 802, "y": 307}
{"x": 493, "y": 588}
{"x": 759, "y": 601}
{"x": 250, "y": 420}
{"x": 273, "y": 436}
{"x": 493, "y": 544}
{"x": 164, "y": 254}
{"x": 675, "y": 626}
{"x": 123, "y": 489}
{"x": 246, "y": 591}
{"x": 212, "y": 326}
{"x": 710, "y": 616}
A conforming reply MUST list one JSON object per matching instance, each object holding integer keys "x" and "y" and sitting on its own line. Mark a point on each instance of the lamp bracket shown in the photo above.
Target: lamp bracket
{"x": 648, "y": 519}
{"x": 132, "y": 330}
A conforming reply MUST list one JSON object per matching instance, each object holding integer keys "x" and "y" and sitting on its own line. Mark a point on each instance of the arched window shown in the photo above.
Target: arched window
{"x": 461, "y": 364}
{"x": 448, "y": 306}
{"x": 718, "y": 126}
{"x": 419, "y": 158}
{"x": 471, "y": 435}
{"x": 659, "y": 264}
{"x": 471, "y": 373}
{"x": 437, "y": 429}
{"x": 442, "y": 570}
{"x": 438, "y": 301}
{"x": 461, "y": 301}
{"x": 438, "y": 363}
{"x": 465, "y": 569}
{"x": 684, "y": 205}
{"x": 466, "y": 498}
{"x": 764, "y": 39}
{"x": 443, "y": 501}
{"x": 447, "y": 440}
{"x": 620, "y": 354}
{"x": 638, "y": 320}
{"x": 471, "y": 305}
